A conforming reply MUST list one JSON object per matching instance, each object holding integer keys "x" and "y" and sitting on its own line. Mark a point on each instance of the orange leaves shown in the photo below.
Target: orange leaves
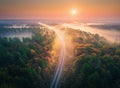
{"x": 33, "y": 52}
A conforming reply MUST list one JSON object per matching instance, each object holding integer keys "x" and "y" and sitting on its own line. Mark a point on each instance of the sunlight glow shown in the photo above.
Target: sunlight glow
{"x": 73, "y": 12}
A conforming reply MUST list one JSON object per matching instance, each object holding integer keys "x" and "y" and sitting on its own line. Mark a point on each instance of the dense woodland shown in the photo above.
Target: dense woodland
{"x": 25, "y": 64}
{"x": 96, "y": 62}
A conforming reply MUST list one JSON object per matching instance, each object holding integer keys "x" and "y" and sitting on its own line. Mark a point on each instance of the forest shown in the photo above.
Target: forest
{"x": 23, "y": 63}
{"x": 96, "y": 63}
{"x": 26, "y": 63}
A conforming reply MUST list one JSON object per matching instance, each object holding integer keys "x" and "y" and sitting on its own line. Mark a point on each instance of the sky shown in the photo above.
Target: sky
{"x": 53, "y": 9}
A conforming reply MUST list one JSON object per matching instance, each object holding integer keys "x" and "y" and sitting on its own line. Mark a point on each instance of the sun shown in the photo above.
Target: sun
{"x": 73, "y": 12}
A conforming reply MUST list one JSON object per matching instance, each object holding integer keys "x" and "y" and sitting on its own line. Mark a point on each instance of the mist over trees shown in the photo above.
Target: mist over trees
{"x": 24, "y": 62}
{"x": 96, "y": 62}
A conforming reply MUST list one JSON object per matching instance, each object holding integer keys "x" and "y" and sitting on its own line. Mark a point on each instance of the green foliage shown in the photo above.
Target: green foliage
{"x": 96, "y": 72}
{"x": 42, "y": 63}
{"x": 18, "y": 67}
{"x": 38, "y": 38}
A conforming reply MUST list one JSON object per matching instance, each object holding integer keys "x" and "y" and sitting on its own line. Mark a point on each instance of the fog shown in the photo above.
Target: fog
{"x": 109, "y": 31}
{"x": 18, "y": 26}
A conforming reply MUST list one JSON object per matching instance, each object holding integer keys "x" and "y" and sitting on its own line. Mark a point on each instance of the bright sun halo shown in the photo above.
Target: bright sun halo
{"x": 73, "y": 11}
